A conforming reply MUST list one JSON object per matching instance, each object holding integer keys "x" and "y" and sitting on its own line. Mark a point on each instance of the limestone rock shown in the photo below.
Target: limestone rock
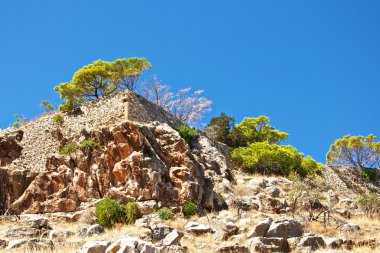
{"x": 95, "y": 247}
{"x": 350, "y": 227}
{"x": 314, "y": 242}
{"x": 33, "y": 244}
{"x": 333, "y": 243}
{"x": 21, "y": 232}
{"x": 60, "y": 234}
{"x": 261, "y": 228}
{"x": 197, "y": 228}
{"x": 33, "y": 221}
{"x": 262, "y": 244}
{"x": 173, "y": 238}
{"x": 232, "y": 249}
{"x": 285, "y": 229}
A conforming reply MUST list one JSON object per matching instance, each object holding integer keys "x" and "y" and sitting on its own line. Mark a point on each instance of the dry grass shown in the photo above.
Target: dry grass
{"x": 318, "y": 228}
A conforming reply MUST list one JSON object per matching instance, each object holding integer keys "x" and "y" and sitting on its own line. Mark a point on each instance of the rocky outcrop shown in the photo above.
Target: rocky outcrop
{"x": 134, "y": 161}
{"x": 10, "y": 147}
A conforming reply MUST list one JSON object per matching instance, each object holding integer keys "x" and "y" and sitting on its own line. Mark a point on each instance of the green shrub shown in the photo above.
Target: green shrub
{"x": 90, "y": 143}
{"x": 165, "y": 213}
{"x": 265, "y": 158}
{"x": 189, "y": 134}
{"x": 69, "y": 148}
{"x": 108, "y": 212}
{"x": 189, "y": 209}
{"x": 369, "y": 174}
{"x": 58, "y": 118}
{"x": 131, "y": 212}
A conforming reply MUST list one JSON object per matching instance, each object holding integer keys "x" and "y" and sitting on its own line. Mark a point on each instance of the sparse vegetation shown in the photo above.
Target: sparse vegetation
{"x": 165, "y": 213}
{"x": 58, "y": 119}
{"x": 46, "y": 106}
{"x": 20, "y": 121}
{"x": 369, "y": 174}
{"x": 370, "y": 203}
{"x": 90, "y": 143}
{"x": 108, "y": 212}
{"x": 131, "y": 212}
{"x": 69, "y": 149}
{"x": 189, "y": 209}
{"x": 189, "y": 134}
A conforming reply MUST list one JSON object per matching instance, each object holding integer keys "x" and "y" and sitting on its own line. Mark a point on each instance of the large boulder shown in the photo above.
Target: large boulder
{"x": 95, "y": 247}
{"x": 312, "y": 242}
{"x": 261, "y": 228}
{"x": 285, "y": 229}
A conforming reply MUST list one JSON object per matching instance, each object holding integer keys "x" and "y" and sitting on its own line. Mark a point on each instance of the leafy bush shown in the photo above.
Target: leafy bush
{"x": 131, "y": 212}
{"x": 263, "y": 157}
{"x": 69, "y": 148}
{"x": 58, "y": 118}
{"x": 90, "y": 143}
{"x": 165, "y": 213}
{"x": 189, "y": 209}
{"x": 108, "y": 212}
{"x": 187, "y": 133}
{"x": 370, "y": 203}
{"x": 369, "y": 174}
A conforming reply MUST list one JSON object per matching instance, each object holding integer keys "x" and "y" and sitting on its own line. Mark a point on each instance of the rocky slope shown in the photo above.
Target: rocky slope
{"x": 140, "y": 157}
{"x": 48, "y": 199}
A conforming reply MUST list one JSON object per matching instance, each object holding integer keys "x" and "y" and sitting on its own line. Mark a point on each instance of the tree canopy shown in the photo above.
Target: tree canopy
{"x": 252, "y": 130}
{"x": 100, "y": 78}
{"x": 357, "y": 151}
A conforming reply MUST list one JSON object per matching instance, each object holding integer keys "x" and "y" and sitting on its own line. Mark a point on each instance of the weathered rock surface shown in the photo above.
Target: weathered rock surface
{"x": 262, "y": 244}
{"x": 261, "y": 228}
{"x": 233, "y": 249}
{"x": 138, "y": 160}
{"x": 31, "y": 244}
{"x": 285, "y": 229}
{"x": 95, "y": 247}
{"x": 197, "y": 228}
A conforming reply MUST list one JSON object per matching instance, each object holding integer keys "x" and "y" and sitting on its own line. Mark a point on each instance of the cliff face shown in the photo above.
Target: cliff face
{"x": 141, "y": 157}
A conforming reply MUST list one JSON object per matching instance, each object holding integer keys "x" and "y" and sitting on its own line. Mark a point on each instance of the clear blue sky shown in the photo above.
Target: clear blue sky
{"x": 313, "y": 67}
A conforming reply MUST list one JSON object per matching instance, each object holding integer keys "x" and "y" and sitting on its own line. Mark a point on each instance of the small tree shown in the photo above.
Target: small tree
{"x": 189, "y": 107}
{"x": 100, "y": 78}
{"x": 220, "y": 128}
{"x": 156, "y": 92}
{"x": 357, "y": 151}
{"x": 252, "y": 130}
{"x": 126, "y": 72}
{"x": 46, "y": 106}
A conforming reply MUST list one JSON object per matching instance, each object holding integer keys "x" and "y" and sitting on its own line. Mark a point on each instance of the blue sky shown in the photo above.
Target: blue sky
{"x": 313, "y": 67}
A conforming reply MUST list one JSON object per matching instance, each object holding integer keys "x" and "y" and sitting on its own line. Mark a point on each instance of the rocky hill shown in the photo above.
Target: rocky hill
{"x": 47, "y": 198}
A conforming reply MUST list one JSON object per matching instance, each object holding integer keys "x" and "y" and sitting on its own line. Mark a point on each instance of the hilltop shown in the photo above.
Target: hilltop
{"x": 128, "y": 149}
